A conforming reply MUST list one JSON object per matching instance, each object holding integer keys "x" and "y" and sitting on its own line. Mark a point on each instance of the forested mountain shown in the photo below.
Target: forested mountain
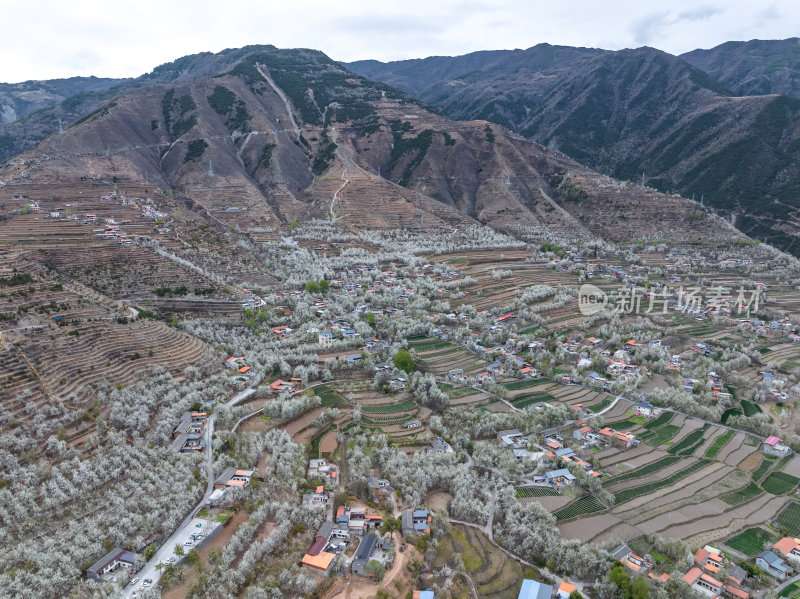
{"x": 636, "y": 114}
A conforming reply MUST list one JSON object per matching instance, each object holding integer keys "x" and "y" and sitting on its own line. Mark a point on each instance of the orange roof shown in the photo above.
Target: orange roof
{"x": 737, "y": 592}
{"x": 701, "y": 556}
{"x": 567, "y": 587}
{"x": 244, "y": 369}
{"x": 318, "y": 562}
{"x": 242, "y": 473}
{"x": 692, "y": 575}
{"x": 235, "y": 483}
{"x": 629, "y": 564}
{"x": 711, "y": 580}
{"x": 320, "y": 489}
{"x": 786, "y": 544}
{"x": 714, "y": 557}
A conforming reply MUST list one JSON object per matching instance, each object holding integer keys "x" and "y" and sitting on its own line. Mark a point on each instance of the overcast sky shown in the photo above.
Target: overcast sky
{"x": 44, "y": 39}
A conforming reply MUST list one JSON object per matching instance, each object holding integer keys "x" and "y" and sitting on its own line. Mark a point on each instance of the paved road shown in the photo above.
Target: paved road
{"x": 149, "y": 571}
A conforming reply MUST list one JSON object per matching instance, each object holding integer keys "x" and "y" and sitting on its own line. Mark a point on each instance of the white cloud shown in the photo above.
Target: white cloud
{"x": 50, "y": 38}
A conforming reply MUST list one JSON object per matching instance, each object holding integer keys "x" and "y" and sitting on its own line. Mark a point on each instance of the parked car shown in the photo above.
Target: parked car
{"x": 133, "y": 582}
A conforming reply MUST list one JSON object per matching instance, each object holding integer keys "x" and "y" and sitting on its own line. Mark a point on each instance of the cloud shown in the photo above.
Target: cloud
{"x": 649, "y": 28}
{"x": 701, "y": 13}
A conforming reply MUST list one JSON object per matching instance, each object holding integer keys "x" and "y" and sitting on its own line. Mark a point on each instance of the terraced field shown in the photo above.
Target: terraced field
{"x": 633, "y": 493}
{"x": 779, "y": 483}
{"x": 742, "y": 495}
{"x": 524, "y": 492}
{"x": 751, "y": 541}
{"x": 789, "y": 518}
{"x": 587, "y": 504}
{"x": 495, "y": 576}
{"x": 719, "y": 443}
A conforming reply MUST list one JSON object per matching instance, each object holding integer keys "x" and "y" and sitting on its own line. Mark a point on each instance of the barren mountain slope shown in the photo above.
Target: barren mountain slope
{"x": 290, "y": 134}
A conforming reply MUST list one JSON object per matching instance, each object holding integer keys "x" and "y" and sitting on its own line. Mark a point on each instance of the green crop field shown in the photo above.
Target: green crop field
{"x": 688, "y": 441}
{"x": 790, "y": 518}
{"x": 766, "y": 464}
{"x": 751, "y": 541}
{"x": 523, "y": 492}
{"x": 661, "y": 435}
{"x": 601, "y": 406}
{"x": 386, "y": 421}
{"x": 660, "y": 421}
{"x": 743, "y": 495}
{"x": 779, "y": 483}
{"x": 404, "y": 406}
{"x": 664, "y": 462}
{"x": 790, "y": 591}
{"x": 331, "y": 400}
{"x": 588, "y": 504}
{"x": 750, "y": 409}
{"x": 719, "y": 443}
{"x": 634, "y": 492}
{"x": 527, "y": 399}
{"x": 314, "y": 453}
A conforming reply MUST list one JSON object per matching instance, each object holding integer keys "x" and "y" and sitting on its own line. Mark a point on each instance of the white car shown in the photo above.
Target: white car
{"x": 133, "y": 582}
{"x": 189, "y": 543}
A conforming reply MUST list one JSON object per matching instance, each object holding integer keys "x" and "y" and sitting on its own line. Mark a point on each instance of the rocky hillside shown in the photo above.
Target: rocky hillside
{"x": 642, "y": 112}
{"x": 757, "y": 67}
{"x": 32, "y": 110}
{"x": 285, "y": 135}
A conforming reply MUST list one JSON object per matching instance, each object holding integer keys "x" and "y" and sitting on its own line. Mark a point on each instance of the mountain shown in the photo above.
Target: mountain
{"x": 637, "y": 114}
{"x": 18, "y": 100}
{"x": 286, "y": 135}
{"x": 757, "y": 67}
{"x": 31, "y": 111}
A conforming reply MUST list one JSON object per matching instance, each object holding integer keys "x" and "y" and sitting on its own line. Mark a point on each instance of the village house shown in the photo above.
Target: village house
{"x": 319, "y": 498}
{"x": 512, "y": 438}
{"x": 704, "y": 583}
{"x": 188, "y": 434}
{"x": 774, "y": 446}
{"x": 644, "y": 409}
{"x": 439, "y": 445}
{"x": 415, "y": 521}
{"x": 380, "y": 487}
{"x": 233, "y": 362}
{"x": 773, "y": 565}
{"x": 533, "y": 589}
{"x": 281, "y": 386}
{"x": 320, "y": 467}
{"x": 709, "y": 559}
{"x": 232, "y": 477}
{"x": 116, "y": 558}
{"x": 788, "y": 546}
{"x": 370, "y": 548}
{"x": 325, "y": 338}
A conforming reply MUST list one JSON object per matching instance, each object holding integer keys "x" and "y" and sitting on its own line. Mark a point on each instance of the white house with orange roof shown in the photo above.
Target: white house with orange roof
{"x": 232, "y": 478}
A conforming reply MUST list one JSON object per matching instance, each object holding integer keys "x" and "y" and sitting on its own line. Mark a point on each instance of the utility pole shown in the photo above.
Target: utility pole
{"x": 210, "y": 169}
{"x": 642, "y": 179}
{"x": 60, "y": 127}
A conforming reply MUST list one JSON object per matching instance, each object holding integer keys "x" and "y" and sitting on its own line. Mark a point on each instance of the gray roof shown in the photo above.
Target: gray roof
{"x": 621, "y": 551}
{"x": 407, "y": 520}
{"x": 325, "y": 530}
{"x": 109, "y": 557}
{"x": 366, "y": 547}
{"x": 737, "y": 572}
{"x": 226, "y": 475}
{"x": 773, "y": 560}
